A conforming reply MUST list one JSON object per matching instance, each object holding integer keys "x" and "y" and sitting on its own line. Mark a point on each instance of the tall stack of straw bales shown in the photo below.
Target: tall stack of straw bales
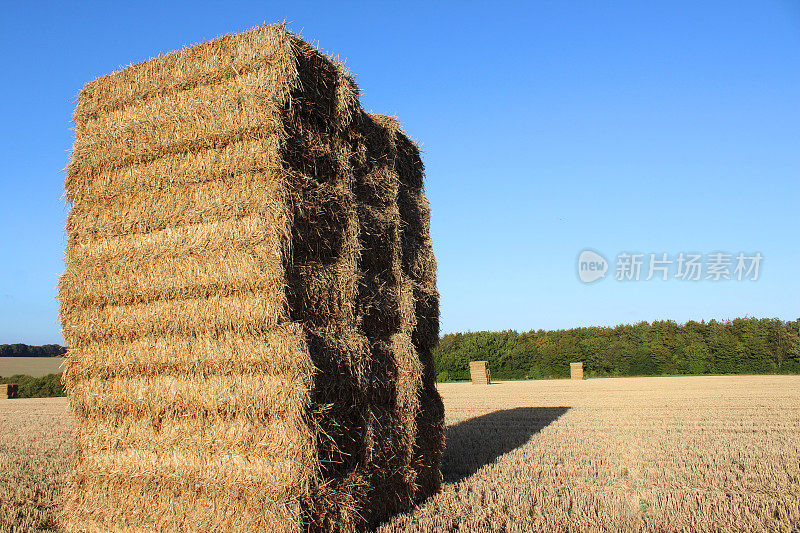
{"x": 479, "y": 373}
{"x": 249, "y": 298}
{"x": 576, "y": 370}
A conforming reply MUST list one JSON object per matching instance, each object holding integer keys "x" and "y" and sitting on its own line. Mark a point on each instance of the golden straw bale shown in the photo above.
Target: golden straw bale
{"x": 479, "y": 373}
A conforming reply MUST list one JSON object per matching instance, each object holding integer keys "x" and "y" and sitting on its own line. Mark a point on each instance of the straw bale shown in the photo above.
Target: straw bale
{"x": 479, "y": 372}
{"x": 249, "y": 298}
{"x": 277, "y": 351}
{"x": 9, "y": 391}
{"x": 256, "y": 396}
{"x": 210, "y": 436}
{"x": 101, "y": 503}
{"x": 146, "y": 211}
{"x": 235, "y": 163}
{"x": 246, "y": 313}
{"x": 203, "y": 64}
{"x": 576, "y": 370}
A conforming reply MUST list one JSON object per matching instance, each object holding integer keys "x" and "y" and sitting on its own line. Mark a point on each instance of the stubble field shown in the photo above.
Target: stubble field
{"x": 632, "y": 454}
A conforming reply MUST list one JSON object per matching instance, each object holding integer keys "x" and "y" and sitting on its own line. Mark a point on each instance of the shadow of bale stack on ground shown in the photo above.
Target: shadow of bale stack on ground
{"x": 481, "y": 440}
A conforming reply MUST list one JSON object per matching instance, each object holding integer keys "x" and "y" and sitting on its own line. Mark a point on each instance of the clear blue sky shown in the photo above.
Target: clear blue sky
{"x": 548, "y": 127}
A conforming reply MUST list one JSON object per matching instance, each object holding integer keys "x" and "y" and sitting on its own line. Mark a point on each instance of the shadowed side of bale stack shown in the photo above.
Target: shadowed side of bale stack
{"x": 479, "y": 373}
{"x": 419, "y": 268}
{"x": 398, "y": 312}
{"x": 249, "y": 299}
{"x": 576, "y": 370}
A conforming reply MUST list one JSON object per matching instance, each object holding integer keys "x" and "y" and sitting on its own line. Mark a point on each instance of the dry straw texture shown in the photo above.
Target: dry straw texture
{"x": 249, "y": 299}
{"x": 576, "y": 370}
{"x": 479, "y": 373}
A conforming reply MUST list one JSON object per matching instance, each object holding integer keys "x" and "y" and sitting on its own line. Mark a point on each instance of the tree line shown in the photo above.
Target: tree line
{"x": 48, "y": 386}
{"x": 739, "y": 346}
{"x": 24, "y": 350}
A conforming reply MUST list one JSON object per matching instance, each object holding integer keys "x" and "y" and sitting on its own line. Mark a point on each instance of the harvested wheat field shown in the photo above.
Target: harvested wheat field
{"x": 36, "y": 450}
{"x": 631, "y": 454}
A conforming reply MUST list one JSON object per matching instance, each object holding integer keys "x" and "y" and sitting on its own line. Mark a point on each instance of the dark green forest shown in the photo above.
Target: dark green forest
{"x": 739, "y": 346}
{"x": 24, "y": 350}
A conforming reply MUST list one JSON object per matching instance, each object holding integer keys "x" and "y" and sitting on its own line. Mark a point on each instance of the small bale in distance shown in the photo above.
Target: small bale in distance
{"x": 479, "y": 373}
{"x": 576, "y": 370}
{"x": 9, "y": 391}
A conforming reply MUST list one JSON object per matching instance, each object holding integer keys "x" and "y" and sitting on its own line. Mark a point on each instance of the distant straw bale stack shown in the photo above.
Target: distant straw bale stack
{"x": 9, "y": 391}
{"x": 479, "y": 373}
{"x": 576, "y": 370}
{"x": 249, "y": 299}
